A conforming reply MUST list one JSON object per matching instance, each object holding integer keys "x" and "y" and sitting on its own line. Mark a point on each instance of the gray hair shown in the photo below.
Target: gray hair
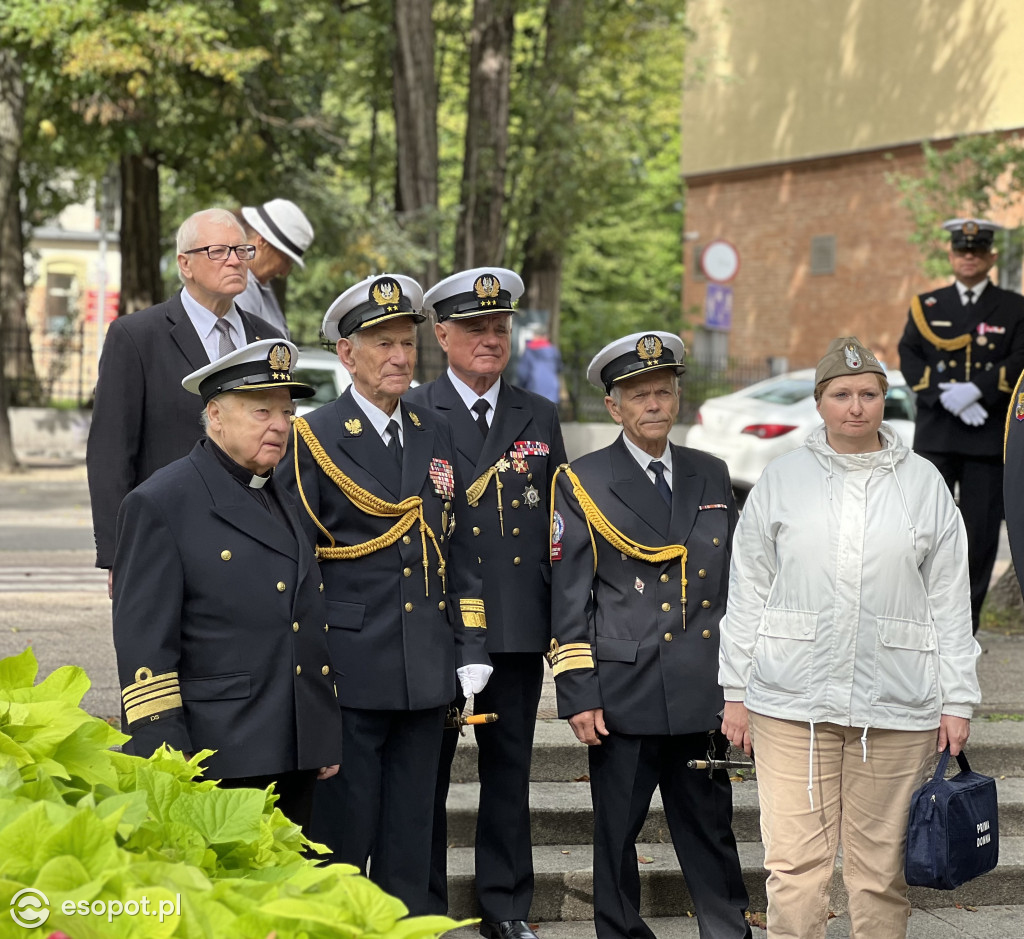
{"x": 204, "y": 415}
{"x": 188, "y": 231}
{"x": 616, "y": 393}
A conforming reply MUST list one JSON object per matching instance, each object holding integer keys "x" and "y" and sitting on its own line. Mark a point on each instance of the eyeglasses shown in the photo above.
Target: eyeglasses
{"x": 221, "y": 252}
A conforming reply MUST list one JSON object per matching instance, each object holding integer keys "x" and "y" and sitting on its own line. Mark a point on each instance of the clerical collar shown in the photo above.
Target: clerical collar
{"x": 245, "y": 476}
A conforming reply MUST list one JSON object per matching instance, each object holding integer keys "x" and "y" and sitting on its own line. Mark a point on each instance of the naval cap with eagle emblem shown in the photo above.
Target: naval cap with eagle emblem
{"x": 475, "y": 292}
{"x": 966, "y": 234}
{"x": 635, "y": 354}
{"x": 266, "y": 363}
{"x": 378, "y": 298}
{"x": 846, "y": 355}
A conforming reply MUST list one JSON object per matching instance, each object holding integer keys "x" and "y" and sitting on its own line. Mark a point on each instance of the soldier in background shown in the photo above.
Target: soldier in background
{"x": 962, "y": 351}
{"x": 508, "y": 443}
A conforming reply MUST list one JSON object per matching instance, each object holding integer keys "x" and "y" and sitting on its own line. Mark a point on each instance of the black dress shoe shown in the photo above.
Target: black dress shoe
{"x": 507, "y": 929}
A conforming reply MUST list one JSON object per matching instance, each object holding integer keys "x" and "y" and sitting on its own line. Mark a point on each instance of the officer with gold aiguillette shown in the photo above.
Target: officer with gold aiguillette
{"x": 640, "y": 543}
{"x": 218, "y": 605}
{"x": 962, "y": 351}
{"x": 385, "y": 506}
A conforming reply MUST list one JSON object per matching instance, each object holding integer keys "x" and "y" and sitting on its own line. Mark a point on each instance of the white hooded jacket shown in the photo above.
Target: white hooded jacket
{"x": 849, "y": 596}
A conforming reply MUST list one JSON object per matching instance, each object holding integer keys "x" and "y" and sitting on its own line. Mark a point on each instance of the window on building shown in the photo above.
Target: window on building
{"x": 61, "y": 301}
{"x": 696, "y": 271}
{"x": 823, "y": 254}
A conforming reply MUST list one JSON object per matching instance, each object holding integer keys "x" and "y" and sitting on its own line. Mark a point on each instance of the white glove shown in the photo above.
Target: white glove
{"x": 473, "y": 678}
{"x": 974, "y": 415}
{"x": 957, "y": 395}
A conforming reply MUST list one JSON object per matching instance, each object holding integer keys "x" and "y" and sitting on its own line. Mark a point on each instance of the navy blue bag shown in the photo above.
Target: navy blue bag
{"x": 953, "y": 834}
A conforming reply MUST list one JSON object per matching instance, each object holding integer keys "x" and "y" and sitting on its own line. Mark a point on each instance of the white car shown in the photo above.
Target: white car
{"x": 749, "y": 428}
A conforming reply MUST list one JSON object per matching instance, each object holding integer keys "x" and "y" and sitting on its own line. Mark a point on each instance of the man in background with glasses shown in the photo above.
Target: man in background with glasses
{"x": 142, "y": 418}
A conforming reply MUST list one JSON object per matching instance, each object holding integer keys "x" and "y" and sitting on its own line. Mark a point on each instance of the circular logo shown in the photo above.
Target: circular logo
{"x": 30, "y": 908}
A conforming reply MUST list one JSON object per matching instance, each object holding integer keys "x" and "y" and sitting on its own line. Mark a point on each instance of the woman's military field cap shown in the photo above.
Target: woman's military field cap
{"x": 377, "y": 299}
{"x": 476, "y": 292}
{"x": 636, "y": 354}
{"x": 966, "y": 234}
{"x": 266, "y": 363}
{"x": 846, "y": 356}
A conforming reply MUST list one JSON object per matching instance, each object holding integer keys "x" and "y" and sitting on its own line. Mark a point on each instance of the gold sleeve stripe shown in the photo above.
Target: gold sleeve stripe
{"x": 155, "y": 687}
{"x": 926, "y": 379}
{"x": 473, "y": 616}
{"x": 150, "y": 694}
{"x": 1004, "y": 385}
{"x": 157, "y": 706}
{"x": 571, "y": 655}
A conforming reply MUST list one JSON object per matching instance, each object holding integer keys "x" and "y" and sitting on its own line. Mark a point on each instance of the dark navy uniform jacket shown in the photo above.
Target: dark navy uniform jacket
{"x": 219, "y": 626}
{"x": 619, "y": 628}
{"x": 395, "y": 639}
{"x": 992, "y": 359}
{"x": 526, "y": 438}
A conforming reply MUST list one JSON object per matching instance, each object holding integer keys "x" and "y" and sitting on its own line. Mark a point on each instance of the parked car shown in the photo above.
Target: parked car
{"x": 322, "y": 369}
{"x": 751, "y": 427}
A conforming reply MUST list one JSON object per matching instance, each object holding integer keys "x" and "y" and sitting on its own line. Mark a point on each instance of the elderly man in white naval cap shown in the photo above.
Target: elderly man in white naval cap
{"x": 640, "y": 545}
{"x": 281, "y": 234}
{"x": 380, "y": 485}
{"x": 218, "y": 604}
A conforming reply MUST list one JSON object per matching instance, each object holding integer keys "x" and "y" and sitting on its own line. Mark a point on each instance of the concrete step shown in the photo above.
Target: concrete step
{"x": 561, "y": 813}
{"x": 992, "y": 922}
{"x": 564, "y": 883}
{"x": 995, "y": 748}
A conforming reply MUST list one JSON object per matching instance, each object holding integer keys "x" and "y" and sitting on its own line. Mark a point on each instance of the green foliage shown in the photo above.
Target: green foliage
{"x": 977, "y": 176}
{"x": 84, "y": 823}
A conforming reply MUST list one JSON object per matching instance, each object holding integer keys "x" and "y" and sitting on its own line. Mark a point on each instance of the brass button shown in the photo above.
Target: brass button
{"x": 326, "y": 670}
{"x": 515, "y": 503}
{"x": 706, "y": 634}
{"x": 408, "y": 608}
{"x": 326, "y": 627}
{"x": 529, "y": 477}
{"x": 666, "y": 607}
{"x": 407, "y": 572}
{"x": 664, "y": 578}
{"x": 298, "y": 669}
{"x": 668, "y": 637}
{"x": 517, "y": 561}
{"x": 476, "y": 531}
{"x": 441, "y": 605}
{"x": 715, "y": 542}
{"x": 281, "y": 586}
{"x": 706, "y": 604}
{"x": 952, "y": 363}
{"x": 515, "y": 531}
{"x": 447, "y": 506}
{"x": 225, "y": 555}
{"x": 702, "y": 573}
{"x": 440, "y": 538}
{"x": 321, "y": 588}
{"x": 295, "y": 627}
{"x": 406, "y": 539}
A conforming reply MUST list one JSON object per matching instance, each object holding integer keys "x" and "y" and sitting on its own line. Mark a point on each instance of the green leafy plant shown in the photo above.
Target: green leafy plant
{"x": 97, "y": 831}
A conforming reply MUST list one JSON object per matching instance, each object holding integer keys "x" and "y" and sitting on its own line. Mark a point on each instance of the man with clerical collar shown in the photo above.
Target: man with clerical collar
{"x": 142, "y": 418}
{"x": 508, "y": 442}
{"x": 962, "y": 351}
{"x": 381, "y": 489}
{"x": 640, "y": 545}
{"x": 219, "y": 609}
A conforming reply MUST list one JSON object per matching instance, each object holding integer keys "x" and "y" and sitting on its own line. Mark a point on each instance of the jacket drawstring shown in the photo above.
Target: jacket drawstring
{"x": 906, "y": 508}
{"x": 864, "y": 745}
{"x": 810, "y": 768}
{"x": 828, "y": 479}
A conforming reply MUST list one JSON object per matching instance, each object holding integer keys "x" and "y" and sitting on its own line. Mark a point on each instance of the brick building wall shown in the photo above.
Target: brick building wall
{"x": 772, "y": 215}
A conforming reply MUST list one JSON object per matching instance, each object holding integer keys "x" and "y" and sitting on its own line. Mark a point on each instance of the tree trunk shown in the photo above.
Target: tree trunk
{"x": 415, "y": 99}
{"x": 141, "y": 284}
{"x": 547, "y": 231}
{"x": 12, "y": 116}
{"x": 480, "y": 234}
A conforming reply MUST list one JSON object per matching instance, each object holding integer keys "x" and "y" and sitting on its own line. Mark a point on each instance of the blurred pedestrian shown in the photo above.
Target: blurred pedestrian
{"x": 539, "y": 366}
{"x": 282, "y": 234}
{"x": 961, "y": 351}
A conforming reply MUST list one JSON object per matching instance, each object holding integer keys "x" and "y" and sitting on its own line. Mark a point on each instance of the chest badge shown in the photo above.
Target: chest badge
{"x": 354, "y": 426}
{"x": 1019, "y": 410}
{"x": 638, "y": 585}
{"x": 531, "y": 496}
{"x": 503, "y": 465}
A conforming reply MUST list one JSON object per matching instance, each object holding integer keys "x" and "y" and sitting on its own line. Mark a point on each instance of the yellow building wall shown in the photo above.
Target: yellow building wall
{"x": 773, "y": 81}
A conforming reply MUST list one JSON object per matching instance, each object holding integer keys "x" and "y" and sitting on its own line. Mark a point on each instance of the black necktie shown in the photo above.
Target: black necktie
{"x": 658, "y": 468}
{"x": 481, "y": 407}
{"x": 968, "y": 298}
{"x": 394, "y": 444}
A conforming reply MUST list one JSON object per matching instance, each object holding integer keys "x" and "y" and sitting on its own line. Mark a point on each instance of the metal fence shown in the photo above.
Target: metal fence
{"x": 55, "y": 368}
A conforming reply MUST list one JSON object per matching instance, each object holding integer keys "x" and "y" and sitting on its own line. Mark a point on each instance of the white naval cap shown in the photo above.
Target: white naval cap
{"x": 475, "y": 292}
{"x": 283, "y": 224}
{"x": 378, "y": 298}
{"x": 266, "y": 363}
{"x": 966, "y": 233}
{"x": 635, "y": 354}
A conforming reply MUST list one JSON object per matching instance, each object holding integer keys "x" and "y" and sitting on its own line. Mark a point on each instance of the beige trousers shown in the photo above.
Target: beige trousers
{"x": 863, "y": 803}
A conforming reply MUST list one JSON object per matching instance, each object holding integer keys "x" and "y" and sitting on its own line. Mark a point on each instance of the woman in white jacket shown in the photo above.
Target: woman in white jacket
{"x": 846, "y": 652}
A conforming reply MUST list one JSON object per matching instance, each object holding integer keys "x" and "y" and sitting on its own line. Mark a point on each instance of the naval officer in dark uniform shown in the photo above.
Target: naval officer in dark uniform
{"x": 962, "y": 351}
{"x": 380, "y": 486}
{"x": 508, "y": 443}
{"x": 640, "y": 544}
{"x": 219, "y": 612}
